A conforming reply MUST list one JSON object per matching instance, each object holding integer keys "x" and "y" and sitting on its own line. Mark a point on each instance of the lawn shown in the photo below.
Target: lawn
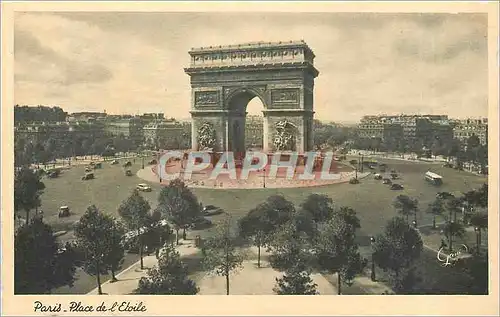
{"x": 371, "y": 199}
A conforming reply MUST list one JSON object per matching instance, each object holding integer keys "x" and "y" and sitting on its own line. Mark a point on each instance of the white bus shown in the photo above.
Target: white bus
{"x": 433, "y": 178}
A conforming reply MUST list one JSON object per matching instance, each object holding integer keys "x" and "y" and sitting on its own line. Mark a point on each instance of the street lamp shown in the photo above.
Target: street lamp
{"x": 372, "y": 241}
{"x": 414, "y": 223}
{"x": 264, "y": 184}
{"x": 478, "y": 235}
{"x": 143, "y": 162}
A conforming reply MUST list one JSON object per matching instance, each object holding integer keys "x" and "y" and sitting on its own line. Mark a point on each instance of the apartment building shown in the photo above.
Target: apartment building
{"x": 463, "y": 129}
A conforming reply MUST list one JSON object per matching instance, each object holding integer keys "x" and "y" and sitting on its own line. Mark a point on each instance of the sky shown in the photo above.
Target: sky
{"x": 369, "y": 63}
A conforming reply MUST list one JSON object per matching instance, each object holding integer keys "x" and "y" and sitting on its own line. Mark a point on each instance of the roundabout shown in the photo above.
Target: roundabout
{"x": 267, "y": 177}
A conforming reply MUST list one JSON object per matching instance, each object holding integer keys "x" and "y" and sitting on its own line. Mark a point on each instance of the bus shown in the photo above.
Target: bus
{"x": 433, "y": 178}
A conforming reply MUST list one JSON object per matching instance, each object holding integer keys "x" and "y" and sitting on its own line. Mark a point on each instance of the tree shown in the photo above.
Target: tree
{"x": 290, "y": 248}
{"x": 395, "y": 251}
{"x": 27, "y": 190}
{"x": 114, "y": 259}
{"x": 253, "y": 227}
{"x": 220, "y": 253}
{"x": 295, "y": 282}
{"x": 406, "y": 206}
{"x": 479, "y": 220}
{"x": 135, "y": 213}
{"x": 336, "y": 249}
{"x": 169, "y": 277}
{"x": 319, "y": 206}
{"x": 179, "y": 204}
{"x": 158, "y": 234}
{"x": 40, "y": 263}
{"x": 476, "y": 269}
{"x": 262, "y": 222}
{"x": 278, "y": 210}
{"x": 436, "y": 208}
{"x": 94, "y": 234}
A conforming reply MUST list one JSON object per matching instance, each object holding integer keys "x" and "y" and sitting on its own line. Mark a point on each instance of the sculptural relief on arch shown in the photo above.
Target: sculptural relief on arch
{"x": 225, "y": 78}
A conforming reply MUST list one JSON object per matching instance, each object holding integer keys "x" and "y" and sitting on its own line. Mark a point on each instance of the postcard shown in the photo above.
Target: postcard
{"x": 231, "y": 152}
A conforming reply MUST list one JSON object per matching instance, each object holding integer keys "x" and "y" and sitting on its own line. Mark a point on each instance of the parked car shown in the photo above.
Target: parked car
{"x": 211, "y": 210}
{"x": 88, "y": 176}
{"x": 143, "y": 188}
{"x": 128, "y": 164}
{"x": 209, "y": 207}
{"x": 201, "y": 223}
{"x": 152, "y": 162}
{"x": 128, "y": 173}
{"x": 114, "y": 162}
{"x": 377, "y": 177}
{"x": 394, "y": 176}
{"x": 386, "y": 181}
{"x": 396, "y": 187}
{"x": 64, "y": 212}
{"x": 88, "y": 169}
{"x": 53, "y": 174}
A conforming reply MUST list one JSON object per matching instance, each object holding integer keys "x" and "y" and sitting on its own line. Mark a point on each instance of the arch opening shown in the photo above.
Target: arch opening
{"x": 246, "y": 122}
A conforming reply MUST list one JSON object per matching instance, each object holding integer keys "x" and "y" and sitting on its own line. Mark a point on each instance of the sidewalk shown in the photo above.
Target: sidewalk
{"x": 129, "y": 278}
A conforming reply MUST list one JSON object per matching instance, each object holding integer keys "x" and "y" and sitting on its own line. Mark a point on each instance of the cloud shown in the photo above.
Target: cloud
{"x": 29, "y": 51}
{"x": 368, "y": 62}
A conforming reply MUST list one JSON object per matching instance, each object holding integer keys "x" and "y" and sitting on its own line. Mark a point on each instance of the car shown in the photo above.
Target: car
{"x": 128, "y": 173}
{"x": 201, "y": 223}
{"x": 143, "y": 188}
{"x": 88, "y": 169}
{"x": 209, "y": 207}
{"x": 152, "y": 162}
{"x": 211, "y": 210}
{"x": 394, "y": 176}
{"x": 386, "y": 181}
{"x": 53, "y": 174}
{"x": 127, "y": 164}
{"x": 396, "y": 187}
{"x": 97, "y": 165}
{"x": 449, "y": 165}
{"x": 88, "y": 176}
{"x": 63, "y": 212}
{"x": 114, "y": 162}
{"x": 92, "y": 163}
{"x": 377, "y": 177}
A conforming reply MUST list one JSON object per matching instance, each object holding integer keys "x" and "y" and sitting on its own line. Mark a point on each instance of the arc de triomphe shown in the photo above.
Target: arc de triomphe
{"x": 225, "y": 78}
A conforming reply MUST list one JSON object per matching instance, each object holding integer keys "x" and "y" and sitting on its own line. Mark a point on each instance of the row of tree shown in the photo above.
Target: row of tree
{"x": 101, "y": 240}
{"x": 27, "y": 114}
{"x": 319, "y": 236}
{"x": 64, "y": 146}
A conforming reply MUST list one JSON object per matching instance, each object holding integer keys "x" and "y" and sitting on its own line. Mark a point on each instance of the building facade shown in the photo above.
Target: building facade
{"x": 254, "y": 131}
{"x": 163, "y": 134}
{"x": 463, "y": 129}
{"x": 130, "y": 128}
{"x": 410, "y": 128}
{"x": 40, "y": 132}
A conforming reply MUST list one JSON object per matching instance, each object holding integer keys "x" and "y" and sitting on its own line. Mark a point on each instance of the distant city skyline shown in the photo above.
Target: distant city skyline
{"x": 369, "y": 63}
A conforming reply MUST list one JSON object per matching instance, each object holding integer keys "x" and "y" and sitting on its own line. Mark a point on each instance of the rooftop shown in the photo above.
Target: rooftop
{"x": 249, "y": 45}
